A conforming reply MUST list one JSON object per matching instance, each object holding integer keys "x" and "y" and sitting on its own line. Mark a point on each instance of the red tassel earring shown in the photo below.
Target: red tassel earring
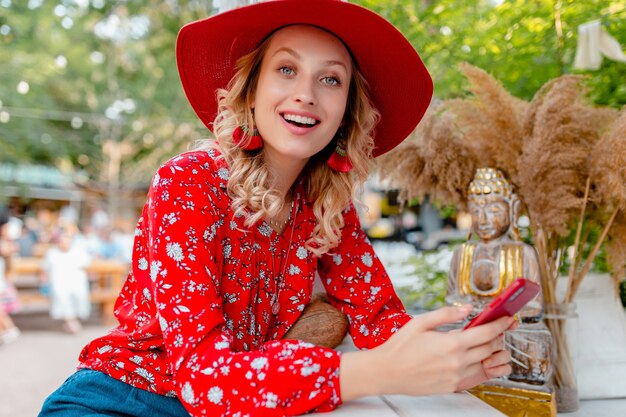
{"x": 339, "y": 160}
{"x": 243, "y": 139}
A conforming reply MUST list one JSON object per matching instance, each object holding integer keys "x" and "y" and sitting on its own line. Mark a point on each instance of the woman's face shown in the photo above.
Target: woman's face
{"x": 302, "y": 91}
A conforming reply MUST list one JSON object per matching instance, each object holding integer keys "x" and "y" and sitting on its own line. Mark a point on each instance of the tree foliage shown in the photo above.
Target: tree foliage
{"x": 516, "y": 41}
{"x": 103, "y": 91}
{"x": 104, "y": 95}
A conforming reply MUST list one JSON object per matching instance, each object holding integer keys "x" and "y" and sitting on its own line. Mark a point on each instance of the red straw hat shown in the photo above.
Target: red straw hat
{"x": 400, "y": 86}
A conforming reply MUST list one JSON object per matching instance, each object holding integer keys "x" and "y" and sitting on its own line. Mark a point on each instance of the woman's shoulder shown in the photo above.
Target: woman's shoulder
{"x": 195, "y": 167}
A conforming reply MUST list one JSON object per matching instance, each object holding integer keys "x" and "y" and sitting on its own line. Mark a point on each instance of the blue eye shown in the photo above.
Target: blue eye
{"x": 286, "y": 70}
{"x": 330, "y": 81}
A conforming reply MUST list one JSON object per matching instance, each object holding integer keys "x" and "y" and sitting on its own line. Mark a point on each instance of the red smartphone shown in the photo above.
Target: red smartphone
{"x": 509, "y": 302}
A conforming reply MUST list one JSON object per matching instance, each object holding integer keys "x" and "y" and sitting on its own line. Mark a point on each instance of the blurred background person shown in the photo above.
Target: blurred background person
{"x": 9, "y": 301}
{"x": 64, "y": 267}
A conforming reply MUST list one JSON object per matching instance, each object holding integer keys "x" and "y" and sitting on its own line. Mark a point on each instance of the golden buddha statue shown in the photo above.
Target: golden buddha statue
{"x": 481, "y": 268}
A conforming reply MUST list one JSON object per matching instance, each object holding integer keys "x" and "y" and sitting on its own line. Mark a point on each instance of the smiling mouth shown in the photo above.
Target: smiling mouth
{"x": 300, "y": 121}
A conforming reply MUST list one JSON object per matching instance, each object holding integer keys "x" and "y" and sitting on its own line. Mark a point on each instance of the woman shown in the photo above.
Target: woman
{"x": 232, "y": 234}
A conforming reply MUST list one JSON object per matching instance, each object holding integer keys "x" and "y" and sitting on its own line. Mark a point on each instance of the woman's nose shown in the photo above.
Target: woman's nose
{"x": 304, "y": 91}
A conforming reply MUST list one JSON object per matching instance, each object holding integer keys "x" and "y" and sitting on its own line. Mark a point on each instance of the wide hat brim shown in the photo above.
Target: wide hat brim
{"x": 400, "y": 86}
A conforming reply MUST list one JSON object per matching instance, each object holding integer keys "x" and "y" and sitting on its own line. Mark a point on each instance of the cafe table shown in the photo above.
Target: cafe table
{"x": 458, "y": 404}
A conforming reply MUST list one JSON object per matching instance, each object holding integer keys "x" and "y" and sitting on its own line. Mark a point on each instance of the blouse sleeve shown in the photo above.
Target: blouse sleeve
{"x": 281, "y": 378}
{"x": 358, "y": 285}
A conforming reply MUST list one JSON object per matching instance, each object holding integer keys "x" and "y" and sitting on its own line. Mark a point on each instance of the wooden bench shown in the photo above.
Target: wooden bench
{"x": 106, "y": 279}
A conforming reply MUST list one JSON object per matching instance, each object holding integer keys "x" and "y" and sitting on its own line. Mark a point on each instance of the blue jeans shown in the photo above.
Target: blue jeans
{"x": 89, "y": 393}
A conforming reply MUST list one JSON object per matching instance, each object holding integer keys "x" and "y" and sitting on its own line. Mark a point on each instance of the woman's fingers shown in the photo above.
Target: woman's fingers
{"x": 497, "y": 365}
{"x": 484, "y": 351}
{"x": 498, "y": 371}
{"x": 484, "y": 333}
{"x": 445, "y": 315}
{"x": 502, "y": 357}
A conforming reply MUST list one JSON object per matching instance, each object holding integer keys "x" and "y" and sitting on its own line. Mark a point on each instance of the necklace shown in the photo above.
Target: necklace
{"x": 279, "y": 226}
{"x": 278, "y": 280}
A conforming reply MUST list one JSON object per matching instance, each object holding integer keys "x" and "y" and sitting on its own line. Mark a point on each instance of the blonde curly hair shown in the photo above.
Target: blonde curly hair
{"x": 251, "y": 183}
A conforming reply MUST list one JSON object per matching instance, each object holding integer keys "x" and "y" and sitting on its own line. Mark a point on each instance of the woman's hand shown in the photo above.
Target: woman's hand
{"x": 419, "y": 360}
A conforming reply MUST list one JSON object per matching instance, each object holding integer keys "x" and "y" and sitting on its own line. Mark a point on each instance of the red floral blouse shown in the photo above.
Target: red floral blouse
{"x": 195, "y": 312}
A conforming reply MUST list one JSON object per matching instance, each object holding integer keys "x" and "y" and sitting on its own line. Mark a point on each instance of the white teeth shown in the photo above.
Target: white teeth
{"x": 300, "y": 119}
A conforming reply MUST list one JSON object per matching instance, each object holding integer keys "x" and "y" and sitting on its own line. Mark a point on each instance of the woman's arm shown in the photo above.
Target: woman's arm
{"x": 407, "y": 355}
{"x": 419, "y": 360}
{"x": 358, "y": 285}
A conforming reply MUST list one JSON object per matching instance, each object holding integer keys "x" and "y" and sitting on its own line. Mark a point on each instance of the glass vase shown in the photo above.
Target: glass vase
{"x": 562, "y": 320}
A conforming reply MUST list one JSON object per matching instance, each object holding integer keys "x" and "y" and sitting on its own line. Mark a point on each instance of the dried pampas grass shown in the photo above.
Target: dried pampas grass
{"x": 434, "y": 162}
{"x": 608, "y": 165}
{"x": 616, "y": 248}
{"x": 565, "y": 161}
{"x": 491, "y": 121}
{"x": 559, "y": 134}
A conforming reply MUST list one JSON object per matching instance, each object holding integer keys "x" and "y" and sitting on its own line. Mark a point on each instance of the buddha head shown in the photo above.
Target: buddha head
{"x": 492, "y": 204}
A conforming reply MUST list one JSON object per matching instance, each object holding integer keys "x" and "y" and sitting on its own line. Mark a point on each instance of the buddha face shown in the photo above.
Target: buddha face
{"x": 490, "y": 216}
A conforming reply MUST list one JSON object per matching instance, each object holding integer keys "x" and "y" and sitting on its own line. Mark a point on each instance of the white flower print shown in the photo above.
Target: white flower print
{"x": 146, "y": 294}
{"x": 188, "y": 395}
{"x": 226, "y": 249}
{"x": 270, "y": 399}
{"x": 367, "y": 260}
{"x": 368, "y": 277}
{"x": 104, "y": 349}
{"x": 374, "y": 290}
{"x": 222, "y": 345}
{"x": 163, "y": 324}
{"x": 293, "y": 269}
{"x": 208, "y": 371}
{"x": 223, "y": 174}
{"x": 258, "y": 363}
{"x": 155, "y": 180}
{"x": 337, "y": 259}
{"x": 170, "y": 218}
{"x": 310, "y": 369}
{"x": 302, "y": 253}
{"x": 155, "y": 268}
{"x": 209, "y": 233}
{"x": 181, "y": 309}
{"x": 143, "y": 263}
{"x": 364, "y": 330}
{"x": 145, "y": 374}
{"x": 265, "y": 230}
{"x": 174, "y": 251}
{"x": 215, "y": 395}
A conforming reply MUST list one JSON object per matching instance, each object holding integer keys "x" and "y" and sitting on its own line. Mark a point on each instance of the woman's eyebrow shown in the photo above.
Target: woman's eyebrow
{"x": 293, "y": 53}
{"x": 288, "y": 50}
